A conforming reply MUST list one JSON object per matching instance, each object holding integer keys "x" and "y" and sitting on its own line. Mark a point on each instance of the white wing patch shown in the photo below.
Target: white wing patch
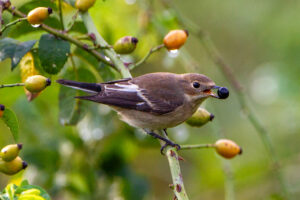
{"x": 123, "y": 87}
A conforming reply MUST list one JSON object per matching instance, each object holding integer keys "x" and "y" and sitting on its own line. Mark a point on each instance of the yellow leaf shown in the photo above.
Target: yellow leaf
{"x": 28, "y": 69}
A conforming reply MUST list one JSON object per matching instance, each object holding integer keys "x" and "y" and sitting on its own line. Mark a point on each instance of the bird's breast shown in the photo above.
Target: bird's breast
{"x": 153, "y": 121}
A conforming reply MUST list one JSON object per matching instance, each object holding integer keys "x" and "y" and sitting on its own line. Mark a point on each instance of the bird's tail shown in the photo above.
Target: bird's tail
{"x": 87, "y": 87}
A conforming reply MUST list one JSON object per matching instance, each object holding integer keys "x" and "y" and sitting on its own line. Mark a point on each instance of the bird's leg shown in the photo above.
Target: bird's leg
{"x": 165, "y": 131}
{"x": 168, "y": 142}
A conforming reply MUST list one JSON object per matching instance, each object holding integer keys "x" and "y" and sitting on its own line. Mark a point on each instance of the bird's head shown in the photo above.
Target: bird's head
{"x": 198, "y": 87}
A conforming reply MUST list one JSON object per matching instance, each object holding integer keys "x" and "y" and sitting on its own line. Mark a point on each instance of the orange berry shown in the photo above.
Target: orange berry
{"x": 175, "y": 39}
{"x": 38, "y": 15}
{"x": 227, "y": 148}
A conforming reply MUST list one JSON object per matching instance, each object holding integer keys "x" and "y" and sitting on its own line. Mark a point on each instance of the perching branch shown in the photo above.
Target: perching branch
{"x": 173, "y": 159}
{"x": 152, "y": 50}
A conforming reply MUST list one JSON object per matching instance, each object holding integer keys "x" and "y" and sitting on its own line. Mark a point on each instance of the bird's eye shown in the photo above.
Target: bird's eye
{"x": 196, "y": 85}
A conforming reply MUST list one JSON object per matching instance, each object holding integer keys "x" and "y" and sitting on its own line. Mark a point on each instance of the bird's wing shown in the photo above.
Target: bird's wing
{"x": 128, "y": 94}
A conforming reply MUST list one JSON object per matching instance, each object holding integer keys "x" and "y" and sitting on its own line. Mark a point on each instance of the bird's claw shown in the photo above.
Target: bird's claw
{"x": 177, "y": 146}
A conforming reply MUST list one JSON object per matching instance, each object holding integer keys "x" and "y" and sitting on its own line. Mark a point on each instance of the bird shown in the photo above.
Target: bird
{"x": 153, "y": 101}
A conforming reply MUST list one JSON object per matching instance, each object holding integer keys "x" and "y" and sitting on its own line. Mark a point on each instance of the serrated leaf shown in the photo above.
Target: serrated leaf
{"x": 11, "y": 121}
{"x": 10, "y": 48}
{"x": 72, "y": 110}
{"x": 53, "y": 53}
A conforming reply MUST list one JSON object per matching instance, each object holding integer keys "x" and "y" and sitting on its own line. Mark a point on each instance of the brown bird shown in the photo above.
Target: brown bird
{"x": 154, "y": 101}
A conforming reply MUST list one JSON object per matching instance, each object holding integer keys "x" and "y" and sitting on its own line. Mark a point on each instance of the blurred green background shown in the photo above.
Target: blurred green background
{"x": 103, "y": 158}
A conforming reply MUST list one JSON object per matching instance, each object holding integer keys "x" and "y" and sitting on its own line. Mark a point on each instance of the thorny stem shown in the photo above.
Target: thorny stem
{"x": 228, "y": 72}
{"x": 12, "y": 23}
{"x": 65, "y": 36}
{"x": 12, "y": 85}
{"x": 173, "y": 159}
{"x": 152, "y": 50}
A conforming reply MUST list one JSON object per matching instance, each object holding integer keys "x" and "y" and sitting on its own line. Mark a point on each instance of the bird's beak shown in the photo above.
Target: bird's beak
{"x": 210, "y": 93}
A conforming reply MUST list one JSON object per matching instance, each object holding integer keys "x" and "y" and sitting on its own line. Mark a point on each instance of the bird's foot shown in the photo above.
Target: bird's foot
{"x": 169, "y": 143}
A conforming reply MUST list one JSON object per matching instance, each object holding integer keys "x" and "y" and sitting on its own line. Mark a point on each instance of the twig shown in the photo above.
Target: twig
{"x": 12, "y": 85}
{"x": 1, "y": 20}
{"x": 61, "y": 15}
{"x": 152, "y": 50}
{"x": 67, "y": 37}
{"x": 227, "y": 71}
{"x": 83, "y": 37}
{"x": 12, "y": 23}
{"x": 196, "y": 146}
{"x": 173, "y": 160}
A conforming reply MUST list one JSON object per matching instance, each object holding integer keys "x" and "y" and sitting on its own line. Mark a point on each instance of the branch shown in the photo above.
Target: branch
{"x": 173, "y": 159}
{"x": 228, "y": 72}
{"x": 12, "y": 85}
{"x": 154, "y": 49}
{"x": 12, "y": 23}
{"x": 65, "y": 36}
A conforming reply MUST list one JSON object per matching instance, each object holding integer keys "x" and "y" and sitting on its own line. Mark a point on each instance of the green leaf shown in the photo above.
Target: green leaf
{"x": 10, "y": 48}
{"x": 53, "y": 53}
{"x": 11, "y": 121}
{"x": 72, "y": 110}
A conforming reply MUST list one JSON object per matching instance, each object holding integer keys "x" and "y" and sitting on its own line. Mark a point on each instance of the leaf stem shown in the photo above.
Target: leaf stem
{"x": 152, "y": 50}
{"x": 196, "y": 146}
{"x": 61, "y": 15}
{"x": 12, "y": 23}
{"x": 12, "y": 85}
